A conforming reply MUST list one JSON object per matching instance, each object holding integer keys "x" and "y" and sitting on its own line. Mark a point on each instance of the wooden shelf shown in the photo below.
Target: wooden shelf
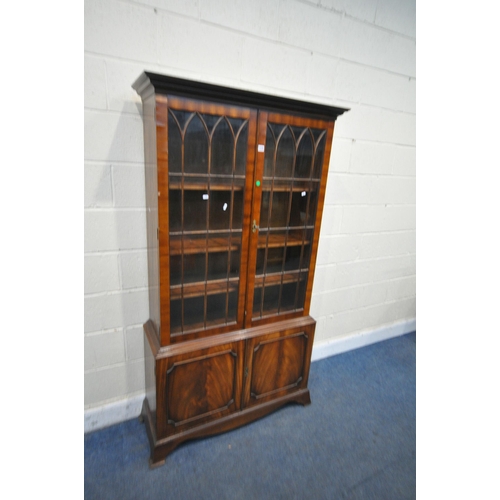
{"x": 199, "y": 289}
{"x": 269, "y": 313}
{"x": 201, "y": 245}
{"x": 214, "y": 186}
{"x": 299, "y": 185}
{"x": 278, "y": 278}
{"x": 278, "y": 240}
{"x": 200, "y": 182}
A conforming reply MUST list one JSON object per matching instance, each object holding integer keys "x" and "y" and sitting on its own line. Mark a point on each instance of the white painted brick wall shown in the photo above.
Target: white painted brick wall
{"x": 358, "y": 54}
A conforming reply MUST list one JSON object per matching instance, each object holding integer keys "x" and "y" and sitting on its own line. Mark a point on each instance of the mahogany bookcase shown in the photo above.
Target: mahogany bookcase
{"x": 235, "y": 186}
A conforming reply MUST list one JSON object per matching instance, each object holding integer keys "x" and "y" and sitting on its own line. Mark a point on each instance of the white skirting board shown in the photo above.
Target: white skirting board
{"x": 113, "y": 413}
{"x": 126, "y": 409}
{"x": 362, "y": 339}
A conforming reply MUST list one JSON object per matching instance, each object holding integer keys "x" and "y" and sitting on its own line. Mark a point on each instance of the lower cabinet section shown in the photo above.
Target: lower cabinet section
{"x": 212, "y": 385}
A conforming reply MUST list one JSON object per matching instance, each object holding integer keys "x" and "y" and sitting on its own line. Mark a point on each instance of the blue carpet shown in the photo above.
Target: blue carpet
{"x": 355, "y": 441}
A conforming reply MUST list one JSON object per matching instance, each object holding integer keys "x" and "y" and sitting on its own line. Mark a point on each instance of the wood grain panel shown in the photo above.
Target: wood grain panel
{"x": 269, "y": 376}
{"x": 277, "y": 364}
{"x": 163, "y": 217}
{"x": 200, "y": 386}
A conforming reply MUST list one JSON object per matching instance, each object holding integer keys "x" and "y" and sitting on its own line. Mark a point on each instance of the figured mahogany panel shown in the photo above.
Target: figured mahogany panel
{"x": 269, "y": 376}
{"x": 277, "y": 364}
{"x": 199, "y": 386}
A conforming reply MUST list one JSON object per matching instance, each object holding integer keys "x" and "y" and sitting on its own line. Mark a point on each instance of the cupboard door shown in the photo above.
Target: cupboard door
{"x": 210, "y": 168}
{"x": 277, "y": 364}
{"x": 198, "y": 387}
{"x": 290, "y": 184}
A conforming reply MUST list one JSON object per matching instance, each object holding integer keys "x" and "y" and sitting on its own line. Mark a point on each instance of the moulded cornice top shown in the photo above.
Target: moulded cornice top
{"x": 163, "y": 84}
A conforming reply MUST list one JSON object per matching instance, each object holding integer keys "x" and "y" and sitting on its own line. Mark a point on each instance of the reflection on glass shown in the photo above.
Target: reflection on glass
{"x": 174, "y": 144}
{"x": 226, "y": 209}
{"x": 269, "y": 153}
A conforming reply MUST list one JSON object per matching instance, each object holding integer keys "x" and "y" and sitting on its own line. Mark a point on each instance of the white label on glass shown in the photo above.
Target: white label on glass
{"x": 224, "y": 207}
{"x": 303, "y": 193}
{"x": 205, "y": 196}
{"x": 260, "y": 148}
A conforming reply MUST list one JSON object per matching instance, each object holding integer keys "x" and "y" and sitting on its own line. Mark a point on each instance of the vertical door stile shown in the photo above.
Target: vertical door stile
{"x": 245, "y": 249}
{"x": 231, "y": 205}
{"x": 319, "y": 213}
{"x": 256, "y": 193}
{"x": 183, "y": 136}
{"x": 161, "y": 119}
{"x": 207, "y": 220}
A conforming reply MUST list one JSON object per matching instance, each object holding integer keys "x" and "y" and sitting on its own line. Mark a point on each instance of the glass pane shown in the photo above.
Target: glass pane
{"x": 304, "y": 156}
{"x": 175, "y": 209}
{"x": 269, "y": 153}
{"x": 196, "y": 147}
{"x": 193, "y": 311}
{"x": 193, "y": 270}
{"x": 174, "y": 145}
{"x": 271, "y": 299}
{"x": 194, "y": 214}
{"x": 222, "y": 149}
{"x": 221, "y": 308}
{"x": 181, "y": 117}
{"x": 210, "y": 121}
{"x": 301, "y": 291}
{"x": 175, "y": 315}
{"x": 236, "y": 124}
{"x": 292, "y": 258}
{"x": 288, "y": 294}
{"x": 226, "y": 209}
{"x": 274, "y": 261}
{"x": 275, "y": 214}
{"x": 241, "y": 149}
{"x": 222, "y": 265}
{"x": 285, "y": 154}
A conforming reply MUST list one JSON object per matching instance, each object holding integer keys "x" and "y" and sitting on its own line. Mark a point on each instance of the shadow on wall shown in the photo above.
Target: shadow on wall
{"x": 116, "y": 297}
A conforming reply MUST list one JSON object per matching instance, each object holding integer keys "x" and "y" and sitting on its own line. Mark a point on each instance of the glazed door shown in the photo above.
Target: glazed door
{"x": 289, "y": 187}
{"x": 210, "y": 169}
